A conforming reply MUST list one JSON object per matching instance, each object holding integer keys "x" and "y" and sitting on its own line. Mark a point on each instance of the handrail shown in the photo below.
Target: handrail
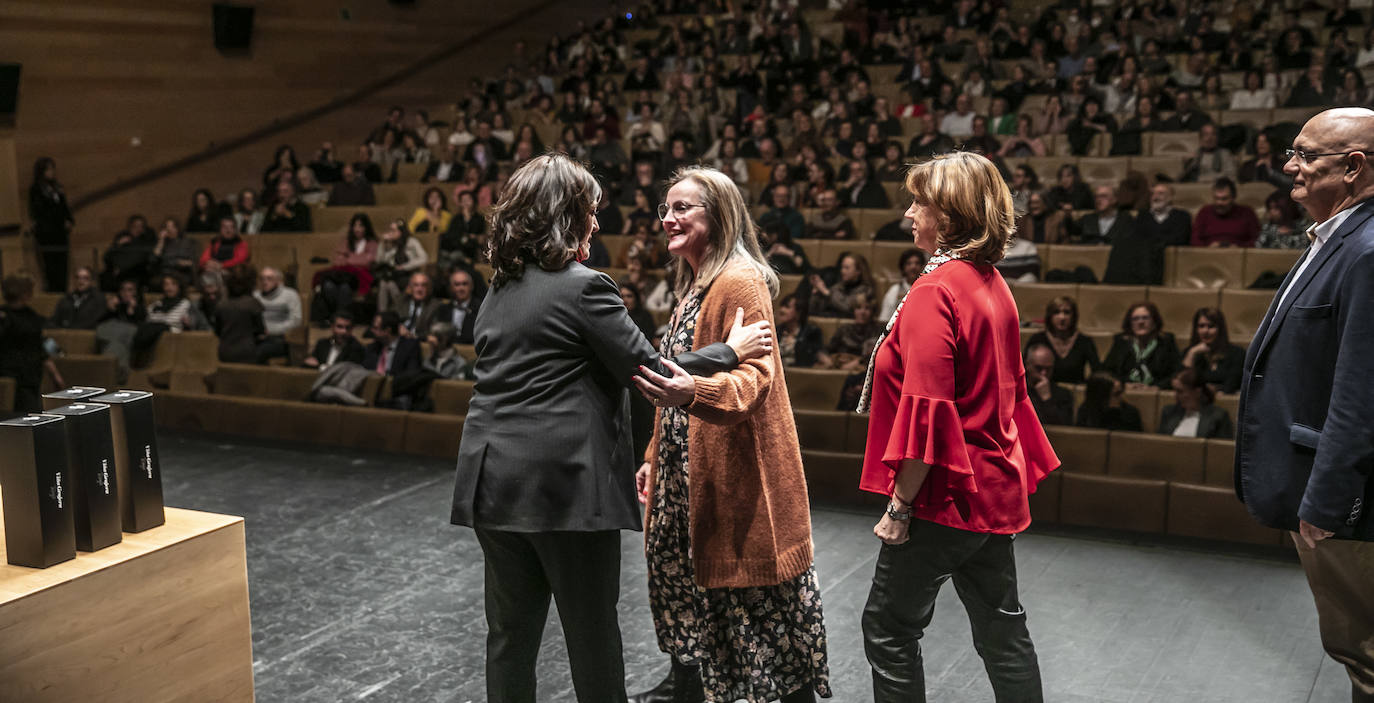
{"x": 295, "y": 119}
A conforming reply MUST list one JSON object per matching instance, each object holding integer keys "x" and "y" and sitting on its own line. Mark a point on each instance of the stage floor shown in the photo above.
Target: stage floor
{"x": 361, "y": 590}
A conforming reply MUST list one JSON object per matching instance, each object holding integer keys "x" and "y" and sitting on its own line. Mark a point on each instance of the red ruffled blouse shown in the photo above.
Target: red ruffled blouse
{"x": 949, "y": 389}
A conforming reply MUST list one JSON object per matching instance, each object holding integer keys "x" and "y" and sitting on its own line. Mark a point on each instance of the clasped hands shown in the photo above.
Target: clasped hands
{"x": 749, "y": 342}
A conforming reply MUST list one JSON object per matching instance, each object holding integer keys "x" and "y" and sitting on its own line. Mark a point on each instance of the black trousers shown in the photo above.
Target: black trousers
{"x": 902, "y": 602}
{"x": 581, "y": 571}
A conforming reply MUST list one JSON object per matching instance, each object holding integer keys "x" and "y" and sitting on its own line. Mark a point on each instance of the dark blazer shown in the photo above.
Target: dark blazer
{"x": 352, "y": 351}
{"x": 1089, "y": 229}
{"x": 466, "y": 332}
{"x": 1213, "y": 422}
{"x": 406, "y": 358}
{"x": 1058, "y": 410}
{"x": 1304, "y": 448}
{"x": 428, "y": 311}
{"x": 547, "y": 440}
{"x": 84, "y": 314}
{"x": 238, "y": 324}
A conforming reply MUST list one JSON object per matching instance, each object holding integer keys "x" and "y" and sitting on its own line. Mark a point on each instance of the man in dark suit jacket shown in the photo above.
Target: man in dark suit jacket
{"x": 1106, "y": 222}
{"x": 461, "y": 309}
{"x": 1137, "y": 255}
{"x": 83, "y": 307}
{"x": 340, "y": 346}
{"x": 1304, "y": 446}
{"x": 417, "y": 309}
{"x": 1053, "y": 403}
{"x": 390, "y": 354}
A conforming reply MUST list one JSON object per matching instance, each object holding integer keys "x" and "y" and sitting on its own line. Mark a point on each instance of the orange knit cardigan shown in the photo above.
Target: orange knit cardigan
{"x": 749, "y": 519}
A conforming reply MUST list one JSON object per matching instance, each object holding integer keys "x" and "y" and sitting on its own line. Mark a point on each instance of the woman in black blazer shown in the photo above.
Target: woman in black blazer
{"x": 1143, "y": 354}
{"x": 545, "y": 469}
{"x": 1075, "y": 355}
{"x": 1192, "y": 413}
{"x": 1210, "y": 351}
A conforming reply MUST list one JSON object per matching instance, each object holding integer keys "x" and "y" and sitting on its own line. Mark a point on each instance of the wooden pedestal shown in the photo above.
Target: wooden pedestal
{"x": 161, "y": 616}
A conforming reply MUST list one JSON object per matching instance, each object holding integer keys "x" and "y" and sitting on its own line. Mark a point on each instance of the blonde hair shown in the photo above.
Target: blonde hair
{"x": 733, "y": 235}
{"x": 972, "y": 203}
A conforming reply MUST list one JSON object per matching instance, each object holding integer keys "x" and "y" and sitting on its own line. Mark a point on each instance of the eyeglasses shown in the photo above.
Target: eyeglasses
{"x": 1307, "y": 157}
{"x": 677, "y": 210}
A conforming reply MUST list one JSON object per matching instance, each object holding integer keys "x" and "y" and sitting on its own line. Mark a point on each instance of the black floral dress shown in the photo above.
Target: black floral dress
{"x": 756, "y": 644}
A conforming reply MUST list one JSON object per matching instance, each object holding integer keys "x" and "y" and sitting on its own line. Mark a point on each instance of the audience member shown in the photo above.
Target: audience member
{"x": 860, "y": 190}
{"x": 83, "y": 307}
{"x": 417, "y": 310}
{"x": 446, "y": 169}
{"x": 238, "y": 318}
{"x": 248, "y": 215}
{"x": 281, "y": 314}
{"x": 367, "y": 168}
{"x": 52, "y": 223}
{"x": 326, "y": 167}
{"x": 22, "y": 356}
{"x": 1069, "y": 192}
{"x": 1218, "y": 362}
{"x": 799, "y": 341}
{"x": 1053, "y": 403}
{"x": 175, "y": 253}
{"x": 1225, "y": 222}
{"x": 829, "y": 221}
{"x": 308, "y": 188}
{"x": 1193, "y": 414}
{"x": 910, "y": 263}
{"x": 1137, "y": 255}
{"x": 1075, "y": 354}
{"x": 462, "y": 306}
{"x": 226, "y": 250}
{"x": 1143, "y": 355}
{"x": 444, "y": 361}
{"x": 398, "y": 256}
{"x": 1041, "y": 224}
{"x": 129, "y": 255}
{"x": 1104, "y": 406}
{"x": 339, "y": 346}
{"x": 852, "y": 282}
{"x": 1285, "y": 224}
{"x": 432, "y": 215}
{"x": 390, "y": 353}
{"x": 1212, "y": 162}
{"x": 288, "y": 214}
{"x": 781, "y": 212}
{"x": 1023, "y": 142}
{"x": 1106, "y": 222}
{"x": 205, "y": 212}
{"x": 852, "y": 344}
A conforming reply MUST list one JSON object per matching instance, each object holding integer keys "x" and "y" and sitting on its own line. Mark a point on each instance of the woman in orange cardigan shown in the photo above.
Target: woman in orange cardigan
{"x": 732, "y": 585}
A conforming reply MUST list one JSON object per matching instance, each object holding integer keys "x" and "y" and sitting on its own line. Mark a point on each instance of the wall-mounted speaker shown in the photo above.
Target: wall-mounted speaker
{"x": 233, "y": 26}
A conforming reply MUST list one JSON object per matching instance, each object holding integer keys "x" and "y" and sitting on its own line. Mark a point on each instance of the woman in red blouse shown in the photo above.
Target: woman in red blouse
{"x": 953, "y": 439}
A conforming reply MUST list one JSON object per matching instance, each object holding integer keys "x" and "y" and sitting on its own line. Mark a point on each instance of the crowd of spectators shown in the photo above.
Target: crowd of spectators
{"x": 791, "y": 113}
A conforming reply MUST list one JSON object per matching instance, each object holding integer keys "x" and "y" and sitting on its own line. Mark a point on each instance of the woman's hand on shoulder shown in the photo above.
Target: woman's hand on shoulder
{"x": 750, "y": 341}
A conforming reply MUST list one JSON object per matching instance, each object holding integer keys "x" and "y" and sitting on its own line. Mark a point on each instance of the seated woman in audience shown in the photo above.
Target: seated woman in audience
{"x": 1091, "y": 121}
{"x": 799, "y": 341}
{"x": 175, "y": 253}
{"x": 129, "y": 255}
{"x": 1351, "y": 90}
{"x": 238, "y": 318}
{"x": 1192, "y": 413}
{"x": 910, "y": 264}
{"x": 1267, "y": 165}
{"x": 642, "y": 214}
{"x": 284, "y": 163}
{"x": 205, "y": 212}
{"x": 1105, "y": 408}
{"x": 115, "y": 333}
{"x": 779, "y": 176}
{"x": 350, "y": 273}
{"x": 1218, "y": 362}
{"x": 459, "y": 245}
{"x": 644, "y": 246}
{"x": 1075, "y": 355}
{"x": 226, "y": 250}
{"x": 432, "y": 215}
{"x": 1052, "y": 118}
{"x": 171, "y": 313}
{"x": 1143, "y": 355}
{"x": 1285, "y": 224}
{"x": 248, "y": 215}
{"x": 852, "y": 344}
{"x": 1129, "y": 138}
{"x": 1070, "y": 192}
{"x": 1253, "y": 96}
{"x": 855, "y": 281}
{"x": 1041, "y": 224}
{"x": 1024, "y": 181}
{"x": 398, "y": 256}
{"x": 639, "y": 273}
{"x": 1212, "y": 97}
{"x": 820, "y": 177}
{"x": 784, "y": 255}
{"x": 1024, "y": 142}
{"x": 570, "y": 143}
{"x": 728, "y": 161}
{"x": 309, "y": 191}
{"x": 444, "y": 360}
{"x": 891, "y": 167}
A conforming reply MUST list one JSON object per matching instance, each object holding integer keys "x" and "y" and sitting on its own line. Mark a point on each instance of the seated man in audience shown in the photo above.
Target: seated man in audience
{"x": 1225, "y": 223}
{"x": 326, "y": 166}
{"x": 1187, "y": 117}
{"x": 829, "y": 222}
{"x": 930, "y": 141}
{"x": 281, "y": 314}
{"x": 339, "y": 346}
{"x": 390, "y": 354}
{"x": 370, "y": 170}
{"x": 1106, "y": 222}
{"x": 445, "y": 169}
{"x": 1137, "y": 255}
{"x": 461, "y": 309}
{"x": 784, "y": 213}
{"x": 289, "y": 214}
{"x": 1212, "y": 161}
{"x": 417, "y": 308}
{"x": 1053, "y": 403}
{"x": 82, "y": 308}
{"x": 959, "y": 123}
{"x": 352, "y": 190}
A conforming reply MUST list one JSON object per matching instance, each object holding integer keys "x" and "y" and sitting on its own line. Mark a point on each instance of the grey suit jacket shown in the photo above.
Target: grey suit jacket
{"x": 547, "y": 440}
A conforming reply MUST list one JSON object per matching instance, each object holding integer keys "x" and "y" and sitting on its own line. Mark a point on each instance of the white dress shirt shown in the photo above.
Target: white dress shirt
{"x": 1322, "y": 233}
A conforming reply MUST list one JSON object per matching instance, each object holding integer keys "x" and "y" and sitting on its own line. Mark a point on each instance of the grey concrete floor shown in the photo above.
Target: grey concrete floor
{"x": 361, "y": 591}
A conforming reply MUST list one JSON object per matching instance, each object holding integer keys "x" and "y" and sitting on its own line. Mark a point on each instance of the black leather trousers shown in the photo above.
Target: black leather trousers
{"x": 902, "y": 601}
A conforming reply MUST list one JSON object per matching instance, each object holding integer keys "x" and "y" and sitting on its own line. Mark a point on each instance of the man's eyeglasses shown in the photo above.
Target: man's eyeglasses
{"x": 1307, "y": 157}
{"x": 677, "y": 210}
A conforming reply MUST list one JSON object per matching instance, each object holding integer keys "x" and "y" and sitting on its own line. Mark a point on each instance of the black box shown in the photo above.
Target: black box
{"x": 94, "y": 489}
{"x": 138, "y": 474}
{"x": 37, "y": 498}
{"x": 75, "y": 394}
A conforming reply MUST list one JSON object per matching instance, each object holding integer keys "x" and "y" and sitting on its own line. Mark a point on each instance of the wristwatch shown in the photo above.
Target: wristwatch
{"x": 901, "y": 515}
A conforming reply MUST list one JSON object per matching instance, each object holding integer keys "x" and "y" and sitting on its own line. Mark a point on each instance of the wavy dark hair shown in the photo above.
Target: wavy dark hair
{"x": 368, "y": 233}
{"x": 542, "y": 217}
{"x": 1155, "y": 317}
